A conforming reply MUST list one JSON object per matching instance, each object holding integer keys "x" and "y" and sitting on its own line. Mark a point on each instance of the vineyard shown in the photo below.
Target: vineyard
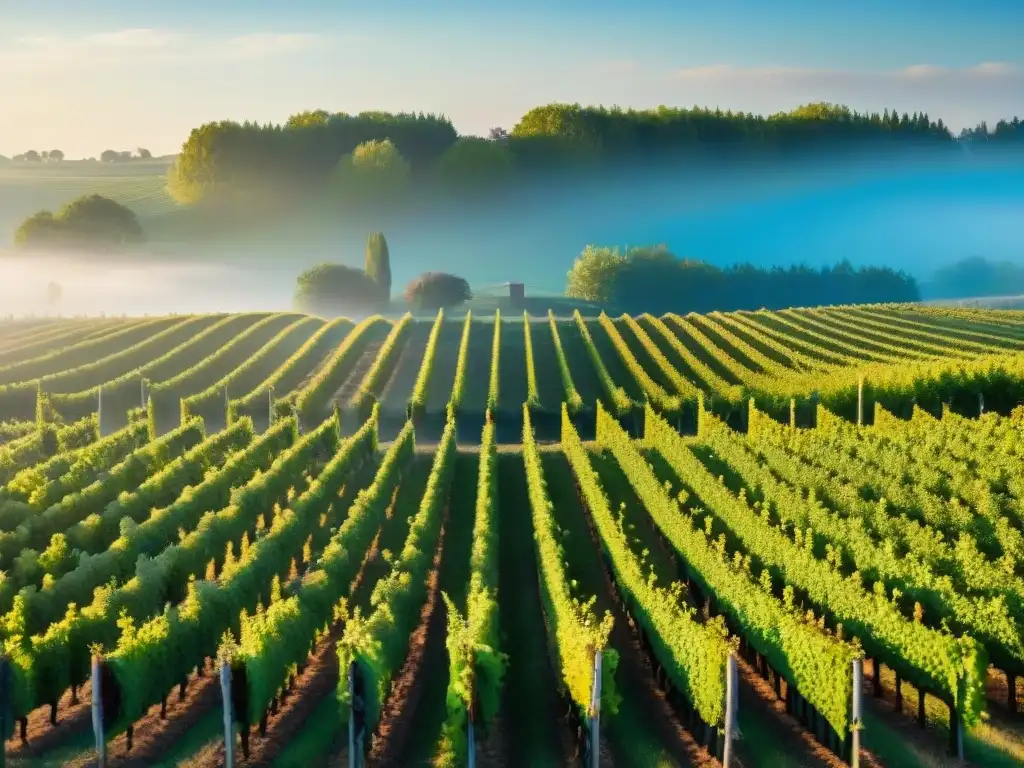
{"x": 762, "y": 538}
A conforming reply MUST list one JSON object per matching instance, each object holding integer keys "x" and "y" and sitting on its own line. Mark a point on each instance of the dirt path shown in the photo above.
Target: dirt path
{"x": 533, "y": 730}
{"x": 73, "y": 720}
{"x": 645, "y": 730}
{"x": 355, "y": 377}
{"x": 453, "y": 579}
{"x": 400, "y": 708}
{"x": 395, "y": 394}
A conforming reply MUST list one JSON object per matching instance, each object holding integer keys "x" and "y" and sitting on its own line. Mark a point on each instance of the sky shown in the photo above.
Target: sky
{"x": 122, "y": 74}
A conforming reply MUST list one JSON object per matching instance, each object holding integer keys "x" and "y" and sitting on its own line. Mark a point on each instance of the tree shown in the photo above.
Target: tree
{"x": 335, "y": 289}
{"x": 472, "y": 162}
{"x": 378, "y": 264}
{"x": 56, "y": 155}
{"x": 91, "y": 221}
{"x": 436, "y": 290}
{"x": 110, "y": 156}
{"x": 101, "y": 219}
{"x": 32, "y": 156}
{"x": 144, "y": 153}
{"x": 44, "y": 155}
{"x": 593, "y": 274}
{"x": 40, "y": 230}
{"x": 375, "y": 170}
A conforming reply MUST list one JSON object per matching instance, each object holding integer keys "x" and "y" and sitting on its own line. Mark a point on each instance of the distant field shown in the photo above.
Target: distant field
{"x": 990, "y": 302}
{"x": 29, "y": 187}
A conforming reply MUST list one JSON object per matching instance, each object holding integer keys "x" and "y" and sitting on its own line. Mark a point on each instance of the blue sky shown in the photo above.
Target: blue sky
{"x": 125, "y": 73}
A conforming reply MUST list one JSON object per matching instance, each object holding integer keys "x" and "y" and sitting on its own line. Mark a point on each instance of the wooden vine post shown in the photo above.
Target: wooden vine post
{"x": 470, "y": 726}
{"x": 731, "y": 702}
{"x": 97, "y": 714}
{"x": 595, "y": 714}
{"x": 229, "y": 715}
{"x": 99, "y": 409}
{"x": 355, "y": 738}
{"x": 860, "y": 402}
{"x": 270, "y": 407}
{"x": 142, "y": 391}
{"x": 856, "y": 719}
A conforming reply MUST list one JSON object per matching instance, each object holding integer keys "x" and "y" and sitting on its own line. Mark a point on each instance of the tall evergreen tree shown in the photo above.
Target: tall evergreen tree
{"x": 378, "y": 263}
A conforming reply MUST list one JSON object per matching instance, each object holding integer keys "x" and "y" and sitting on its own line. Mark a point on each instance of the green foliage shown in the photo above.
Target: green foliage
{"x": 971, "y": 596}
{"x": 290, "y": 374}
{"x": 378, "y": 643}
{"x": 147, "y": 662}
{"x": 90, "y": 222}
{"x": 109, "y": 538}
{"x": 592, "y": 276}
{"x": 219, "y": 158}
{"x": 313, "y": 399}
{"x": 166, "y": 396}
{"x": 651, "y": 279}
{"x": 59, "y": 657}
{"x": 573, "y": 401}
{"x": 437, "y": 290}
{"x": 493, "y": 389}
{"x": 332, "y": 289}
{"x": 246, "y": 377}
{"x": 655, "y": 393}
{"x": 575, "y": 631}
{"x": 476, "y": 663}
{"x": 96, "y": 476}
{"x": 815, "y": 661}
{"x": 930, "y": 659}
{"x": 373, "y": 382}
{"x": 459, "y": 383}
{"x": 472, "y": 164}
{"x": 616, "y": 395}
{"x": 532, "y": 394}
{"x": 378, "y": 264}
{"x": 374, "y": 171}
{"x": 420, "y": 391}
{"x": 693, "y": 654}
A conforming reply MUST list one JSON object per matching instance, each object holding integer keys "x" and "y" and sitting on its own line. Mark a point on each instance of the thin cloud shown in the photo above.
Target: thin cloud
{"x": 727, "y": 72}
{"x": 618, "y": 67}
{"x": 141, "y": 45}
{"x": 261, "y": 44}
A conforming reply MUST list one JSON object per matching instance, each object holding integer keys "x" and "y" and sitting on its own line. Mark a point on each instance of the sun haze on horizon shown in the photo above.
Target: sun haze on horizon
{"x": 127, "y": 74}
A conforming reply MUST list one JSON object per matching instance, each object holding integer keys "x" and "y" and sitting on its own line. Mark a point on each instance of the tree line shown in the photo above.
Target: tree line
{"x": 652, "y": 279}
{"x": 976, "y": 276}
{"x": 57, "y": 156}
{"x": 226, "y": 159}
{"x": 332, "y": 289}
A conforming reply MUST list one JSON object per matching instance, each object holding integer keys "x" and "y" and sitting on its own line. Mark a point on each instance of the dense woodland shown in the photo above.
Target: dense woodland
{"x": 654, "y": 280}
{"x": 306, "y": 152}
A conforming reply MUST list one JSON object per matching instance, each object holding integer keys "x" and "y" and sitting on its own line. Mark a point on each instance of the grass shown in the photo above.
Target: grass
{"x": 425, "y": 733}
{"x": 26, "y": 188}
{"x": 530, "y": 707}
{"x": 633, "y": 738}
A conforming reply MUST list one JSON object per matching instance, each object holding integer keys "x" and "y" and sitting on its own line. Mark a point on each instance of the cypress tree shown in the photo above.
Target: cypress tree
{"x": 378, "y": 263}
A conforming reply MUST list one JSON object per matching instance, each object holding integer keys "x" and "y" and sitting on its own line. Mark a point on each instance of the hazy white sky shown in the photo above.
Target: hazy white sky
{"x": 129, "y": 74}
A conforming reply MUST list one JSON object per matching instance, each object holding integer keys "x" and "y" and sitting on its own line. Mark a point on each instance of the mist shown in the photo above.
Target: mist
{"x": 915, "y": 216}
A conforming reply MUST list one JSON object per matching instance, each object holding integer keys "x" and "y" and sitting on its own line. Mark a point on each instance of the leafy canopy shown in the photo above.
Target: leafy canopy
{"x": 335, "y": 289}
{"x": 437, "y": 290}
{"x": 91, "y": 221}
